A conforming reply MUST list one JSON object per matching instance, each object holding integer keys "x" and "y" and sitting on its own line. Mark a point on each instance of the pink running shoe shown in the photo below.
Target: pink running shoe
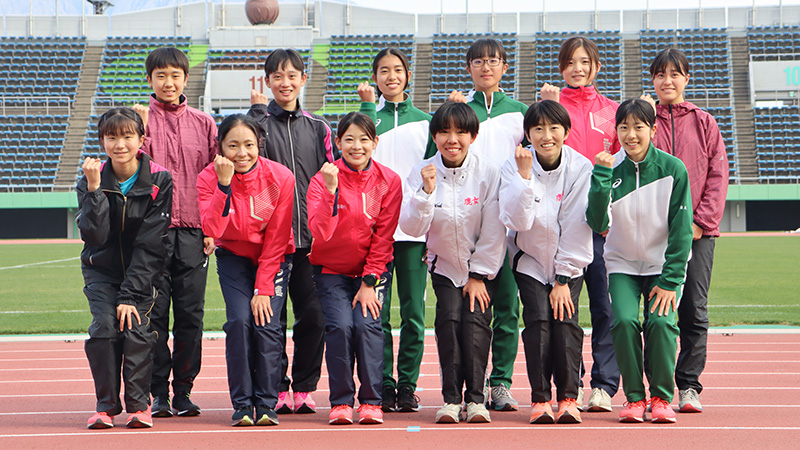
{"x": 341, "y": 415}
{"x": 370, "y": 414}
{"x": 284, "y": 406}
{"x": 633, "y": 412}
{"x": 303, "y": 403}
{"x": 140, "y": 419}
{"x": 100, "y": 420}
{"x": 662, "y": 411}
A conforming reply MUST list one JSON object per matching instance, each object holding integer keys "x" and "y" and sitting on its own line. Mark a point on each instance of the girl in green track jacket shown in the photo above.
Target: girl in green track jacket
{"x": 644, "y": 203}
{"x": 404, "y": 142}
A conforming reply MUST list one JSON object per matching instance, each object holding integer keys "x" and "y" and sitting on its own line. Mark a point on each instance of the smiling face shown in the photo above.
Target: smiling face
{"x": 453, "y": 144}
{"x": 240, "y": 146}
{"x": 635, "y": 136}
{"x": 391, "y": 78}
{"x": 580, "y": 71}
{"x": 285, "y": 84}
{"x": 670, "y": 84}
{"x": 168, "y": 84}
{"x": 486, "y": 72}
{"x": 122, "y": 148}
{"x": 356, "y": 147}
{"x": 547, "y": 139}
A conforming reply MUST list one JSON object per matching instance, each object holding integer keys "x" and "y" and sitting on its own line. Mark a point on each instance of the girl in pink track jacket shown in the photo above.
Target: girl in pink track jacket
{"x": 246, "y": 206}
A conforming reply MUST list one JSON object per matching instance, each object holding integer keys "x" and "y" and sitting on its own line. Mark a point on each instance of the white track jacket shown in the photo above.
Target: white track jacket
{"x": 546, "y": 216}
{"x": 460, "y": 218}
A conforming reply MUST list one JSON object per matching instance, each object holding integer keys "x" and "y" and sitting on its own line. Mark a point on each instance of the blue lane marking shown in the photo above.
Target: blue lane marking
{"x": 413, "y": 429}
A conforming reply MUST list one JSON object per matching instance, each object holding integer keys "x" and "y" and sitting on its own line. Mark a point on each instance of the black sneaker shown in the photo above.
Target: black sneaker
{"x": 183, "y": 406}
{"x": 407, "y": 401}
{"x": 161, "y": 406}
{"x": 243, "y": 417}
{"x": 266, "y": 415}
{"x": 388, "y": 399}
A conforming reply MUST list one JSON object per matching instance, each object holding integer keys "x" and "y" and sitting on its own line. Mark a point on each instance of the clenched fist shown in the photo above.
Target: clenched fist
{"x": 550, "y": 92}
{"x": 330, "y": 173}
{"x": 91, "y": 168}
{"x": 366, "y": 92}
{"x": 524, "y": 158}
{"x": 604, "y": 159}
{"x": 224, "y": 168}
{"x": 428, "y": 178}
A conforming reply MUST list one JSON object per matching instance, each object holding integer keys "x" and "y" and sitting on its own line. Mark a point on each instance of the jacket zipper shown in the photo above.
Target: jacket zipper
{"x": 121, "y": 251}
{"x": 638, "y": 213}
{"x": 294, "y": 171}
{"x": 672, "y": 120}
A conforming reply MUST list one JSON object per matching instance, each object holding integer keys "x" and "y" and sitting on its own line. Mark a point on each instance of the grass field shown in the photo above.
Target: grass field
{"x": 754, "y": 282}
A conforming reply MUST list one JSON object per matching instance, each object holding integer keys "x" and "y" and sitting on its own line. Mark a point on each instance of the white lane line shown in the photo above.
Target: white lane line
{"x": 21, "y": 266}
{"x": 450, "y": 428}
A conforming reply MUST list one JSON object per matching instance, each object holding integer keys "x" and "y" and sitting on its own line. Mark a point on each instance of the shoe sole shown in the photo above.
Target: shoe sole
{"x": 387, "y": 408}
{"x": 408, "y": 408}
{"x": 631, "y": 419}
{"x": 478, "y": 419}
{"x": 687, "y": 408}
{"x": 596, "y": 408}
{"x": 370, "y": 421}
{"x": 544, "y": 419}
{"x": 188, "y": 413}
{"x": 568, "y": 418}
{"x": 504, "y": 407}
{"x": 245, "y": 421}
{"x": 267, "y": 421}
{"x": 136, "y": 423}
{"x": 447, "y": 419}
{"x": 99, "y": 425}
{"x": 285, "y": 409}
{"x": 663, "y": 420}
{"x": 162, "y": 413}
{"x": 340, "y": 421}
{"x": 305, "y": 409}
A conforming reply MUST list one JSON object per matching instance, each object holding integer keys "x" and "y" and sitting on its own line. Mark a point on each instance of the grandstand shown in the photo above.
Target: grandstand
{"x": 60, "y": 75}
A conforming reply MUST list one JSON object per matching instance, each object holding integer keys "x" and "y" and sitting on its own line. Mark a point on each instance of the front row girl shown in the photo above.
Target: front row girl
{"x": 648, "y": 244}
{"x": 452, "y": 199}
{"x": 353, "y": 208}
{"x": 246, "y": 205}
{"x": 543, "y": 198}
{"x": 123, "y": 219}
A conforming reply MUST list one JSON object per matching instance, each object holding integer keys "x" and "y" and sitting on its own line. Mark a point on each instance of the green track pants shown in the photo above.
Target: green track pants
{"x": 505, "y": 327}
{"x": 660, "y": 336}
{"x": 410, "y": 278}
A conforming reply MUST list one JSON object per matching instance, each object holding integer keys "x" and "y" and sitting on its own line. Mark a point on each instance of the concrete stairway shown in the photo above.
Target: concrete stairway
{"x": 79, "y": 119}
{"x": 421, "y": 70}
{"x": 746, "y": 162}
{"x": 526, "y": 72}
{"x": 631, "y": 69}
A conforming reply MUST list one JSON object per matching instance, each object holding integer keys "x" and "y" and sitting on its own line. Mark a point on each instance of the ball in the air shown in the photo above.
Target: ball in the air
{"x": 261, "y": 11}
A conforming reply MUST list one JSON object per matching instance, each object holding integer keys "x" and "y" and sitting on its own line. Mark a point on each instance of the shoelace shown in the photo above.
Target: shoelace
{"x": 656, "y": 402}
{"x": 503, "y": 390}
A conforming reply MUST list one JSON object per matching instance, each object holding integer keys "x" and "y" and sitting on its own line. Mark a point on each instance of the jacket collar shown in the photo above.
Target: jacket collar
{"x": 366, "y": 169}
{"x": 579, "y": 93}
{"x": 480, "y": 97}
{"x": 164, "y": 108}
{"x": 273, "y": 109}
{"x": 677, "y": 110}
{"x": 392, "y": 106}
{"x": 143, "y": 184}
{"x": 649, "y": 158}
{"x": 466, "y": 166}
{"x": 251, "y": 174}
{"x": 563, "y": 161}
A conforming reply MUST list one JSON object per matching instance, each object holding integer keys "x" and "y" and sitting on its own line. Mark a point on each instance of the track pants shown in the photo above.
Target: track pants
{"x": 252, "y": 352}
{"x": 411, "y": 274}
{"x": 308, "y": 331}
{"x": 184, "y": 284}
{"x": 660, "y": 335}
{"x": 505, "y": 327}
{"x": 351, "y": 339}
{"x": 462, "y": 339}
{"x": 552, "y": 346}
{"x": 112, "y": 353}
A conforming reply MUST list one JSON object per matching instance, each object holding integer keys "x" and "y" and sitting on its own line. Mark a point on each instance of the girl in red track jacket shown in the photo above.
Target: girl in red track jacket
{"x": 246, "y": 206}
{"x": 353, "y": 209}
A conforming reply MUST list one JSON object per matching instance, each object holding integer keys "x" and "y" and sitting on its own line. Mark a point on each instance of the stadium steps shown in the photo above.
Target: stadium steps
{"x": 526, "y": 72}
{"x": 79, "y": 119}
{"x": 420, "y": 94}
{"x": 746, "y": 158}
{"x": 317, "y": 83}
{"x": 196, "y": 86}
{"x": 632, "y": 72}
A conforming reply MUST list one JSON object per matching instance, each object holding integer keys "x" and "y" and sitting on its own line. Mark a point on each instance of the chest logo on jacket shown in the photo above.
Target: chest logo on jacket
{"x": 469, "y": 201}
{"x": 617, "y": 182}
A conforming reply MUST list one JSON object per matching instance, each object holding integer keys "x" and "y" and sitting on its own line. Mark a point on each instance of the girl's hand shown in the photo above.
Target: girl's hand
{"x": 697, "y": 232}
{"x": 366, "y": 92}
{"x": 262, "y": 309}
{"x": 142, "y": 111}
{"x": 258, "y": 98}
{"x": 224, "y": 168}
{"x": 428, "y": 178}
{"x": 604, "y": 159}
{"x": 649, "y": 99}
{"x": 91, "y": 168}
{"x": 330, "y": 173}
{"x": 125, "y": 314}
{"x": 369, "y": 301}
{"x": 524, "y": 161}
{"x": 476, "y": 289}
{"x": 208, "y": 245}
{"x": 550, "y": 92}
{"x": 561, "y": 302}
{"x": 663, "y": 299}
{"x": 458, "y": 97}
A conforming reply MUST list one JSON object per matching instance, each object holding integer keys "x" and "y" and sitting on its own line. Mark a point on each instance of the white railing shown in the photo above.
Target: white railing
{"x": 344, "y": 103}
{"x": 112, "y": 101}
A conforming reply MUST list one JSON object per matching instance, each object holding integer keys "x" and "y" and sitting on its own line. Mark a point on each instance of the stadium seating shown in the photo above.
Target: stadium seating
{"x": 244, "y": 59}
{"x": 777, "y": 145}
{"x": 774, "y": 43}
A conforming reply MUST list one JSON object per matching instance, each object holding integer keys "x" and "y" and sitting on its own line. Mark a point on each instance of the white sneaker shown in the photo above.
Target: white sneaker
{"x": 599, "y": 401}
{"x": 502, "y": 399}
{"x": 579, "y": 399}
{"x": 477, "y": 413}
{"x": 449, "y": 413}
{"x": 689, "y": 401}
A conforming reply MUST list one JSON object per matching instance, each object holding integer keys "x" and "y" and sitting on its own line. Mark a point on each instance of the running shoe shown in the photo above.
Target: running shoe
{"x": 568, "y": 411}
{"x": 303, "y": 403}
{"x": 662, "y": 411}
{"x": 689, "y": 401}
{"x": 370, "y": 414}
{"x": 100, "y": 420}
{"x": 633, "y": 412}
{"x": 341, "y": 415}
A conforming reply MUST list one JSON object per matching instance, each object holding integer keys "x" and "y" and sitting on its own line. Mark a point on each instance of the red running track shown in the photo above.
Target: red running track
{"x": 751, "y": 401}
